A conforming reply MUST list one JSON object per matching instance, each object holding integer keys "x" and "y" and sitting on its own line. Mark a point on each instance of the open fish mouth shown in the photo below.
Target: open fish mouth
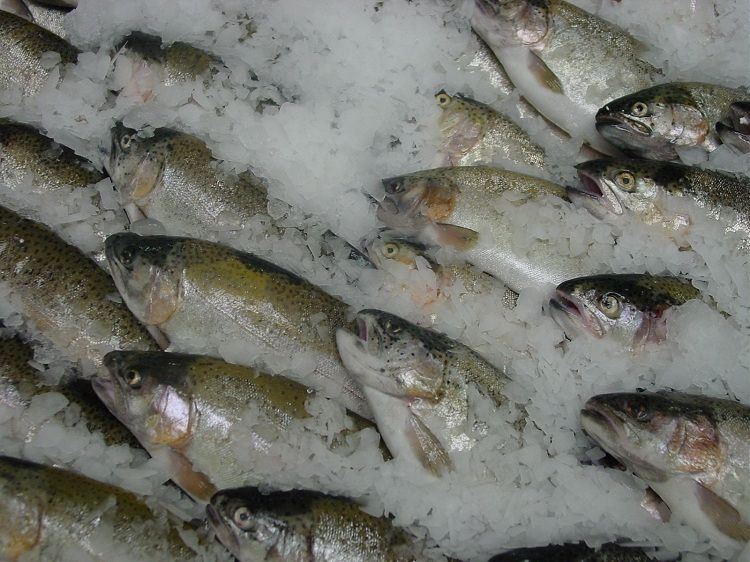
{"x": 589, "y": 186}
{"x": 571, "y": 317}
{"x": 622, "y": 123}
{"x": 222, "y": 530}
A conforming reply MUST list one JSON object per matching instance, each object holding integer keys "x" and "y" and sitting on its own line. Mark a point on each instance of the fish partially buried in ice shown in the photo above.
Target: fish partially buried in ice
{"x": 304, "y": 525}
{"x": 192, "y": 408}
{"x": 629, "y": 308}
{"x": 658, "y": 121}
{"x": 574, "y": 553}
{"x": 65, "y": 295}
{"x": 55, "y": 514}
{"x": 457, "y": 208}
{"x": 734, "y": 130}
{"x": 417, "y": 383}
{"x": 204, "y": 294}
{"x": 650, "y": 190}
{"x": 473, "y": 132}
{"x": 692, "y": 450}
{"x": 565, "y": 61}
{"x": 24, "y": 47}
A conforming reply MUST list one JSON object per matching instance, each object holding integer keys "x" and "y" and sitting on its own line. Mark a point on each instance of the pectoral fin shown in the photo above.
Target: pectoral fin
{"x": 427, "y": 448}
{"x": 543, "y": 74}
{"x": 726, "y": 518}
{"x": 456, "y": 236}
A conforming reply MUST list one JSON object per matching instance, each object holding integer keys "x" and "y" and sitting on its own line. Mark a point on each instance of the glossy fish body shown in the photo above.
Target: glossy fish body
{"x": 65, "y": 295}
{"x": 193, "y": 405}
{"x": 657, "y": 122}
{"x": 692, "y": 450}
{"x": 417, "y": 383}
{"x": 629, "y": 308}
{"x": 574, "y": 553}
{"x": 203, "y": 294}
{"x": 301, "y": 525}
{"x": 47, "y": 511}
{"x": 22, "y": 45}
{"x": 49, "y": 15}
{"x": 173, "y": 178}
{"x": 456, "y": 208}
{"x": 565, "y": 61}
{"x": 646, "y": 187}
{"x": 473, "y": 132}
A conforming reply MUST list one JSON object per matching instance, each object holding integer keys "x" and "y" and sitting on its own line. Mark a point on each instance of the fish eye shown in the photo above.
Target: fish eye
{"x": 609, "y": 304}
{"x": 390, "y": 249}
{"x": 394, "y": 186}
{"x": 625, "y": 180}
{"x": 639, "y": 109}
{"x": 133, "y": 378}
{"x": 126, "y": 140}
{"x": 443, "y": 99}
{"x": 642, "y": 414}
{"x": 126, "y": 257}
{"x": 243, "y": 518}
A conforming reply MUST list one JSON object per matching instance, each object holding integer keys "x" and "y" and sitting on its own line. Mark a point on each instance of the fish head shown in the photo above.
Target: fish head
{"x": 393, "y": 356}
{"x": 462, "y": 123}
{"x": 135, "y": 163}
{"x": 654, "y": 122}
{"x": 146, "y": 274}
{"x": 150, "y": 393}
{"x": 414, "y": 200}
{"x": 735, "y": 129}
{"x": 389, "y": 247}
{"x": 656, "y": 435}
{"x": 511, "y": 22}
{"x": 244, "y": 525}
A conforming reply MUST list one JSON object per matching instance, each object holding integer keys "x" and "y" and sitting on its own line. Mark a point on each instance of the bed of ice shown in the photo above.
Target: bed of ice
{"x": 355, "y": 82}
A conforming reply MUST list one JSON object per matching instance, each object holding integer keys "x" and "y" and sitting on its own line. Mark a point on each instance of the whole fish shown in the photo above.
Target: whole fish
{"x": 202, "y": 293}
{"x": 574, "y": 553}
{"x": 473, "y": 132}
{"x": 692, "y": 450}
{"x": 655, "y": 122}
{"x": 630, "y": 308}
{"x": 190, "y": 405}
{"x": 23, "y": 45}
{"x": 417, "y": 383}
{"x": 393, "y": 253}
{"x": 20, "y": 382}
{"x": 53, "y": 514}
{"x": 734, "y": 131}
{"x": 173, "y": 178}
{"x": 300, "y": 525}
{"x": 565, "y": 61}
{"x": 66, "y": 296}
{"x": 646, "y": 188}
{"x": 456, "y": 208}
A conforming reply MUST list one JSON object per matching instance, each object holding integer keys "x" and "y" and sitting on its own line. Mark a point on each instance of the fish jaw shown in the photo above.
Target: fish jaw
{"x": 222, "y": 530}
{"x": 572, "y": 317}
{"x": 595, "y": 195}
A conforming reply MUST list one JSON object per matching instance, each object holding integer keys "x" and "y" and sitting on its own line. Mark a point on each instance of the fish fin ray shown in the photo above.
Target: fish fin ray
{"x": 428, "y": 449}
{"x": 544, "y": 74}
{"x": 726, "y": 518}
{"x": 456, "y": 236}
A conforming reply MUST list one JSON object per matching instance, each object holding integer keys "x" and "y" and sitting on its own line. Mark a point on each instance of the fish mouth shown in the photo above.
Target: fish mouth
{"x": 589, "y": 185}
{"x": 569, "y": 315}
{"x": 222, "y": 530}
{"x": 594, "y": 189}
{"x": 599, "y": 424}
{"x": 105, "y": 390}
{"x": 359, "y": 329}
{"x": 607, "y": 120}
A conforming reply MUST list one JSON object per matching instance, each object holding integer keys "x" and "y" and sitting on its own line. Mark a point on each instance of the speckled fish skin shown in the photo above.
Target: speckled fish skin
{"x": 48, "y": 510}
{"x": 17, "y": 7}
{"x": 734, "y": 130}
{"x": 50, "y": 17}
{"x": 692, "y": 450}
{"x": 173, "y": 178}
{"x": 66, "y": 295}
{"x": 629, "y": 308}
{"x": 199, "y": 402}
{"x": 565, "y": 61}
{"x": 300, "y": 525}
{"x": 22, "y": 44}
{"x": 656, "y": 121}
{"x": 416, "y": 381}
{"x": 473, "y": 132}
{"x": 574, "y": 553}
{"x": 642, "y": 187}
{"x": 194, "y": 290}
{"x": 456, "y": 208}
{"x": 20, "y": 382}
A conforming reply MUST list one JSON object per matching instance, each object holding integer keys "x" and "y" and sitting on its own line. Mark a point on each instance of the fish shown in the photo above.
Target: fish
{"x": 199, "y": 291}
{"x": 734, "y": 130}
{"x": 390, "y": 251}
{"x": 645, "y": 188}
{"x": 23, "y": 45}
{"x": 417, "y": 383}
{"x": 659, "y": 121}
{"x": 17, "y": 7}
{"x": 565, "y": 61}
{"x": 473, "y": 132}
{"x": 189, "y": 406}
{"x": 20, "y": 382}
{"x": 173, "y": 178}
{"x": 65, "y": 295}
{"x": 50, "y": 15}
{"x": 629, "y": 308}
{"x": 305, "y": 525}
{"x": 574, "y": 553}
{"x": 49, "y": 511}
{"x": 691, "y": 449}
{"x": 456, "y": 208}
